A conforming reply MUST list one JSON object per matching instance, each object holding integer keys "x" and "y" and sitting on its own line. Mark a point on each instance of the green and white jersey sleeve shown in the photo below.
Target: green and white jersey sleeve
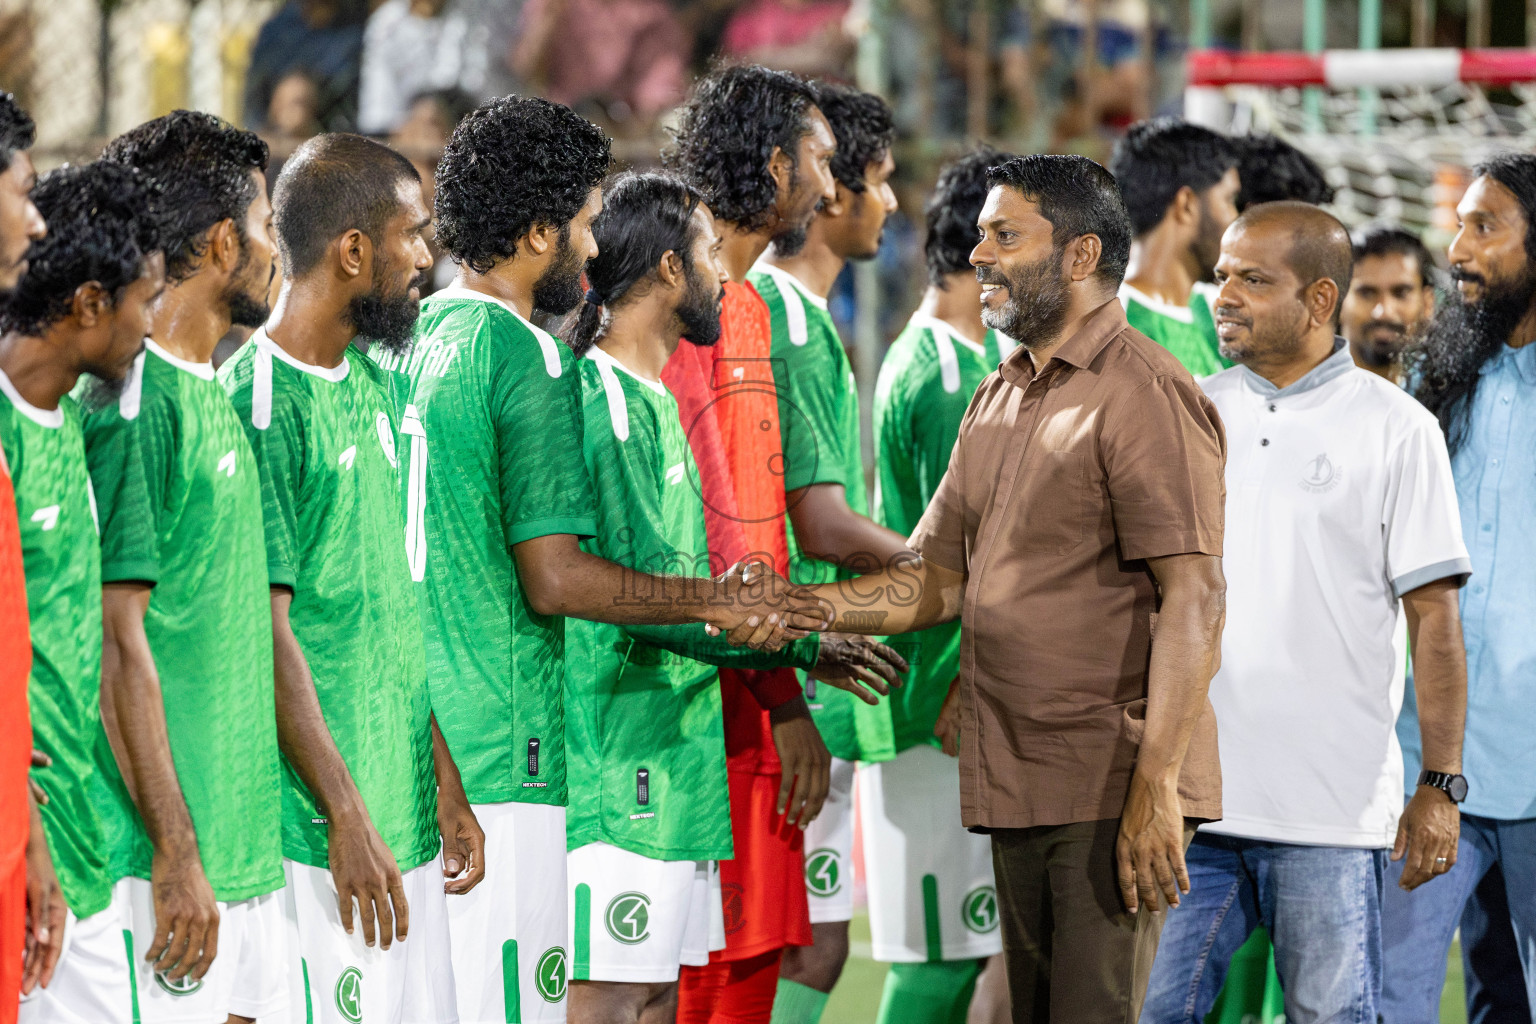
{"x": 180, "y": 504}
{"x": 500, "y": 401}
{"x": 61, "y": 555}
{"x": 324, "y": 442}
{"x": 644, "y": 726}
{"x": 819, "y": 429}
{"x": 1188, "y": 331}
{"x": 925, "y": 385}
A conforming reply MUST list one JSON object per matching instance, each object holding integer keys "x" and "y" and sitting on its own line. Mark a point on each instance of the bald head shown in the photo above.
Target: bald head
{"x": 1316, "y": 244}
{"x": 1282, "y": 271}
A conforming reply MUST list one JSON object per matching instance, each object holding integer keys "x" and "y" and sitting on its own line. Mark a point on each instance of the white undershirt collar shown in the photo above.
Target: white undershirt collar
{"x": 53, "y": 419}
{"x": 203, "y": 370}
{"x": 334, "y": 374}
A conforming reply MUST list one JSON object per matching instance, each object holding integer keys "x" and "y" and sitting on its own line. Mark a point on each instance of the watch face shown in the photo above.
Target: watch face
{"x": 1457, "y": 789}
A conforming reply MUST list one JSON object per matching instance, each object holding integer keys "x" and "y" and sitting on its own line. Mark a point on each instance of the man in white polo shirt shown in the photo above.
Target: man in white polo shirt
{"x": 1340, "y": 508}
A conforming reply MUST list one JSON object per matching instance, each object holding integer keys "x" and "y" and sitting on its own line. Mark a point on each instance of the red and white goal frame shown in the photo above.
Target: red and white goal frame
{"x": 1395, "y": 130}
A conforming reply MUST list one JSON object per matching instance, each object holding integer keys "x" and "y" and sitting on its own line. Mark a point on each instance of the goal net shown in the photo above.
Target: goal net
{"x": 1395, "y": 131}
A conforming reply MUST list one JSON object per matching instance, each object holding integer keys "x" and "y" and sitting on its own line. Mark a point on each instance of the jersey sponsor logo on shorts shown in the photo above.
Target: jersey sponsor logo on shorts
{"x": 628, "y": 918}
{"x": 227, "y": 463}
{"x": 346, "y": 458}
{"x": 978, "y": 910}
{"x": 178, "y": 987}
{"x": 49, "y": 517}
{"x": 349, "y": 995}
{"x": 549, "y": 975}
{"x": 733, "y": 905}
{"x": 823, "y": 872}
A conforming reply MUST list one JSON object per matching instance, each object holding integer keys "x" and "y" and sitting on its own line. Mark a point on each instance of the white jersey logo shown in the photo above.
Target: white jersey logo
{"x": 676, "y": 473}
{"x": 347, "y": 457}
{"x": 387, "y": 439}
{"x": 227, "y": 463}
{"x": 49, "y": 517}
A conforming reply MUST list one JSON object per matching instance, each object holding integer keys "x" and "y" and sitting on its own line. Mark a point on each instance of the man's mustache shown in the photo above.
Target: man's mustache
{"x": 1385, "y": 325}
{"x": 1228, "y": 313}
{"x": 1458, "y": 275}
{"x": 986, "y": 275}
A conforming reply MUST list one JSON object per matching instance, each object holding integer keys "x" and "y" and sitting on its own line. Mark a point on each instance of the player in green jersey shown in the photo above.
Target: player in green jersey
{"x": 650, "y": 810}
{"x": 508, "y": 500}
{"x": 81, "y": 308}
{"x": 187, "y": 631}
{"x": 1180, "y": 185}
{"x": 370, "y": 794}
{"x": 829, "y": 527}
{"x": 931, "y": 911}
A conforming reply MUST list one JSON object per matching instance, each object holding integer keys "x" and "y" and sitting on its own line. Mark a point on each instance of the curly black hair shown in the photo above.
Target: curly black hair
{"x": 953, "y": 209}
{"x": 103, "y": 222}
{"x": 17, "y": 129}
{"x": 511, "y": 165}
{"x": 736, "y": 117}
{"x": 1078, "y": 197}
{"x": 1156, "y": 158}
{"x": 1272, "y": 169}
{"x": 863, "y": 125}
{"x": 332, "y": 184}
{"x": 203, "y": 166}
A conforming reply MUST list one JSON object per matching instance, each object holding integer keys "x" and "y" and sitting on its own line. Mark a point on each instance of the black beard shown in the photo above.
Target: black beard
{"x": 558, "y": 289}
{"x": 1037, "y": 301}
{"x": 700, "y": 312}
{"x": 245, "y": 310}
{"x": 791, "y": 240}
{"x": 387, "y": 321}
{"x": 100, "y": 392}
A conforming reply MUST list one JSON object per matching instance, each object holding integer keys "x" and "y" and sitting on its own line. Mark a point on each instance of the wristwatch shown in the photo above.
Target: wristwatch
{"x": 1453, "y": 786}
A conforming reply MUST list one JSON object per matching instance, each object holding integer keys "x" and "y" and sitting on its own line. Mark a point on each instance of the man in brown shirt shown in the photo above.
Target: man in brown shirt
{"x": 1083, "y": 503}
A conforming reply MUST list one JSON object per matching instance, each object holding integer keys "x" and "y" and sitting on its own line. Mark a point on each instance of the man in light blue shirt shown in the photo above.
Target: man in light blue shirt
{"x": 1477, "y": 373}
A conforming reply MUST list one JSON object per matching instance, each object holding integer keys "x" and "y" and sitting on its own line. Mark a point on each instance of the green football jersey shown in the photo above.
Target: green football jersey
{"x": 925, "y": 385}
{"x": 325, "y": 444}
{"x": 1189, "y": 332}
{"x": 61, "y": 555}
{"x": 819, "y": 428}
{"x": 501, "y": 402}
{"x": 180, "y": 504}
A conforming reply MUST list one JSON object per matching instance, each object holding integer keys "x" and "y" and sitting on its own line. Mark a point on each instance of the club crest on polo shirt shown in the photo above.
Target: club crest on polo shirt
{"x": 549, "y": 975}
{"x": 1320, "y": 475}
{"x": 628, "y": 918}
{"x": 978, "y": 911}
{"x": 349, "y": 995}
{"x": 823, "y": 873}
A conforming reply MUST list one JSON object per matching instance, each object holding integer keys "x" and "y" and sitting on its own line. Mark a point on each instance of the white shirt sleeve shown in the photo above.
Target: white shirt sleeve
{"x": 1421, "y": 520}
{"x": 380, "y": 105}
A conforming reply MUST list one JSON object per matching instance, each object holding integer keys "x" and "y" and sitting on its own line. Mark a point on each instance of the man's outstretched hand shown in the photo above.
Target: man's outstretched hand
{"x": 864, "y": 668}
{"x": 761, "y": 609}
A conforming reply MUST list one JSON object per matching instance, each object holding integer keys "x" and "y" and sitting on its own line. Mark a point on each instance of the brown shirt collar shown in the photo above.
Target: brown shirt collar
{"x": 1079, "y": 350}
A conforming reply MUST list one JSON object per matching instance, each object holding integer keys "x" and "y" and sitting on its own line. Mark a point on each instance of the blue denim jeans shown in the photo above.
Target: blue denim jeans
{"x": 1491, "y": 895}
{"x": 1322, "y": 906}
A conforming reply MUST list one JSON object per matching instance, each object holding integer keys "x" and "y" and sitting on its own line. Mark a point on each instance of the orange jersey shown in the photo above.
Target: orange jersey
{"x": 15, "y": 667}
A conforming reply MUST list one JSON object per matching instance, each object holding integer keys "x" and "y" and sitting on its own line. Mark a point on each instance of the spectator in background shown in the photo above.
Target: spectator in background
{"x": 322, "y": 38}
{"x": 1115, "y": 88}
{"x": 1391, "y": 295}
{"x": 627, "y": 57}
{"x": 803, "y": 36}
{"x": 412, "y": 46}
{"x": 1273, "y": 169}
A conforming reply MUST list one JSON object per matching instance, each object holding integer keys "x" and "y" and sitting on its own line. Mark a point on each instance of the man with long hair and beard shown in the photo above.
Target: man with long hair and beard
{"x": 374, "y": 812}
{"x": 1476, "y": 371}
{"x": 81, "y": 308}
{"x": 187, "y": 629}
{"x": 650, "y": 807}
{"x": 756, "y": 147}
{"x": 509, "y": 501}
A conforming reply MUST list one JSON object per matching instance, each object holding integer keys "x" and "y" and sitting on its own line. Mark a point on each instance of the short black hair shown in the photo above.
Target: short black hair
{"x": 953, "y": 209}
{"x": 730, "y": 126}
{"x": 103, "y": 222}
{"x": 203, "y": 166}
{"x": 1154, "y": 159}
{"x": 1320, "y": 245}
{"x": 17, "y": 129}
{"x": 1078, "y": 197}
{"x": 644, "y": 216}
{"x": 1391, "y": 240}
{"x": 514, "y": 163}
{"x": 1273, "y": 170}
{"x": 1516, "y": 172}
{"x": 864, "y": 128}
{"x": 332, "y": 184}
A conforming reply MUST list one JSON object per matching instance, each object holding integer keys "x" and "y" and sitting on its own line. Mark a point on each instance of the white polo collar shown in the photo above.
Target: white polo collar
{"x": 1340, "y": 362}
{"x": 203, "y": 370}
{"x": 334, "y": 374}
{"x": 53, "y": 419}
